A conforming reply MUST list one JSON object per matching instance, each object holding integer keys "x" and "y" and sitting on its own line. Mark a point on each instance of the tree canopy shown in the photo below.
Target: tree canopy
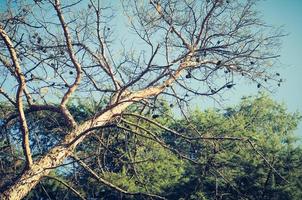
{"x": 248, "y": 151}
{"x": 136, "y": 66}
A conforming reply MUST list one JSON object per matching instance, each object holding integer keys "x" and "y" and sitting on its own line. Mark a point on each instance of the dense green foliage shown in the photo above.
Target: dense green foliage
{"x": 245, "y": 152}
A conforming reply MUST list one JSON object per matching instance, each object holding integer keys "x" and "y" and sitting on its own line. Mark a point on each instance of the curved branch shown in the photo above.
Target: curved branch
{"x": 243, "y": 139}
{"x": 36, "y": 108}
{"x": 112, "y": 186}
{"x": 66, "y": 185}
{"x": 21, "y": 88}
{"x": 74, "y": 61}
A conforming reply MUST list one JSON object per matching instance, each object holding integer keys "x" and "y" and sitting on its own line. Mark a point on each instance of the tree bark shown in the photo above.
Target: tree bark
{"x": 40, "y": 168}
{"x": 55, "y": 157}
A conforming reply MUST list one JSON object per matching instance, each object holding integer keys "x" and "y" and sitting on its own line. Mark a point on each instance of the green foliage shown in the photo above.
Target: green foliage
{"x": 139, "y": 156}
{"x": 231, "y": 169}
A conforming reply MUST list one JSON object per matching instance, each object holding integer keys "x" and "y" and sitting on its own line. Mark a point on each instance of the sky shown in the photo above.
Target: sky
{"x": 286, "y": 13}
{"x": 289, "y": 14}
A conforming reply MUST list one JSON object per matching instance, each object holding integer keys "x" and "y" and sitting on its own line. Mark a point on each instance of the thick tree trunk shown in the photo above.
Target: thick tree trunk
{"x": 31, "y": 177}
{"x": 56, "y": 156}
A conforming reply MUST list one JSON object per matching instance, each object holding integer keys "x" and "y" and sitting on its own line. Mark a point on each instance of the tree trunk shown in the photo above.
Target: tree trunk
{"x": 31, "y": 177}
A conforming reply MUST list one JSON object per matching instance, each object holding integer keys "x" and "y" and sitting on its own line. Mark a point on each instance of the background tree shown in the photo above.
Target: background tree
{"x": 219, "y": 156}
{"x": 263, "y": 131}
{"x": 52, "y": 50}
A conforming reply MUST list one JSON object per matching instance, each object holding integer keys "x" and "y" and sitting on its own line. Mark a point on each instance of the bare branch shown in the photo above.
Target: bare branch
{"x": 66, "y": 185}
{"x": 22, "y": 85}
{"x": 108, "y": 184}
{"x": 77, "y": 65}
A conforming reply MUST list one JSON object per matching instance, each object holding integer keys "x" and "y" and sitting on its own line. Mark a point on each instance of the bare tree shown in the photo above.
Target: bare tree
{"x": 52, "y": 50}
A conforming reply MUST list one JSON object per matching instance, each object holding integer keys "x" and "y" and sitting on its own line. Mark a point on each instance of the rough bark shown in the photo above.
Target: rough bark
{"x": 19, "y": 104}
{"x": 31, "y": 177}
{"x": 40, "y": 168}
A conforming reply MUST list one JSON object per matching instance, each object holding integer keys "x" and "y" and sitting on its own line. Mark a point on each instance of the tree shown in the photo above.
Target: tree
{"x": 240, "y": 170}
{"x": 230, "y": 150}
{"x": 52, "y": 50}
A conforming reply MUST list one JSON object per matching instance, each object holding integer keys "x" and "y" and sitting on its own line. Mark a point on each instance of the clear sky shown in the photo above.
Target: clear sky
{"x": 286, "y": 13}
{"x": 289, "y": 14}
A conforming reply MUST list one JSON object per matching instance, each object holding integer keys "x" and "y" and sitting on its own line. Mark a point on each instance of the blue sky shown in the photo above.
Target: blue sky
{"x": 289, "y": 14}
{"x": 286, "y": 13}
